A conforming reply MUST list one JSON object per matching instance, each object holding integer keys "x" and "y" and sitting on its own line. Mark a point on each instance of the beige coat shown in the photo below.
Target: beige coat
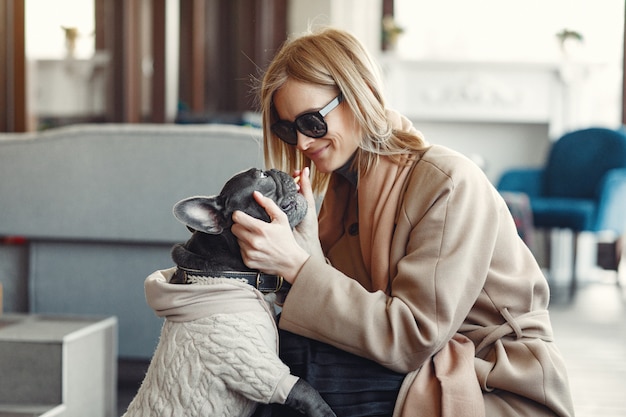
{"x": 465, "y": 314}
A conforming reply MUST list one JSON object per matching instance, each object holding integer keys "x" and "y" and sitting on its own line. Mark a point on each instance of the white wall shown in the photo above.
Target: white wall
{"x": 493, "y": 146}
{"x": 525, "y": 32}
{"x": 361, "y": 17}
{"x": 45, "y": 38}
{"x": 508, "y": 30}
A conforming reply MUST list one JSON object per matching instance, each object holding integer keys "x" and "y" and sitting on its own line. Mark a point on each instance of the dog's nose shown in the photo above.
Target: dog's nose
{"x": 287, "y": 205}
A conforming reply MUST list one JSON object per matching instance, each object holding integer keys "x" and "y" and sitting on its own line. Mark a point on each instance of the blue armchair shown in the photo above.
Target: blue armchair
{"x": 582, "y": 186}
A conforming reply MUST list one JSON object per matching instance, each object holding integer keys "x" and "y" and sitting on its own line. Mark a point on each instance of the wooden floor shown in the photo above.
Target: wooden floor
{"x": 590, "y": 330}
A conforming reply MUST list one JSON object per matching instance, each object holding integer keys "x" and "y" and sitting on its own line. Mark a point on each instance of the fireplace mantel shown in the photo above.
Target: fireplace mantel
{"x": 485, "y": 92}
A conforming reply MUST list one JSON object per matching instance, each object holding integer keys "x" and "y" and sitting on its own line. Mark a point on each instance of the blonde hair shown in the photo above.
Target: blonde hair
{"x": 333, "y": 58}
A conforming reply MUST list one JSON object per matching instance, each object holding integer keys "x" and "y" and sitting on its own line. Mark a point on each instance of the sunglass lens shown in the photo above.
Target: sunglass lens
{"x": 286, "y": 132}
{"x": 312, "y": 125}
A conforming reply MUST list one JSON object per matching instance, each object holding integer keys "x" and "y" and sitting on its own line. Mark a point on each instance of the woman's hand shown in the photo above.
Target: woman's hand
{"x": 272, "y": 247}
{"x": 306, "y": 233}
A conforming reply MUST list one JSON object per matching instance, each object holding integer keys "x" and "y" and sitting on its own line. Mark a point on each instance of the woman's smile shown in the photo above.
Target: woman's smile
{"x": 314, "y": 154}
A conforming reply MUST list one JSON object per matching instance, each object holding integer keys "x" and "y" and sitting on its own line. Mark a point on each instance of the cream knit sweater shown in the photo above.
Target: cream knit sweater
{"x": 217, "y": 354}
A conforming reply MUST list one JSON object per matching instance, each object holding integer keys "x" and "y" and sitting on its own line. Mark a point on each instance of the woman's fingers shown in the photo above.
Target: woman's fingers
{"x": 270, "y": 207}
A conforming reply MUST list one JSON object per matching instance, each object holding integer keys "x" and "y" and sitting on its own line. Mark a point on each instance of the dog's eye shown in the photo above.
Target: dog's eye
{"x": 261, "y": 174}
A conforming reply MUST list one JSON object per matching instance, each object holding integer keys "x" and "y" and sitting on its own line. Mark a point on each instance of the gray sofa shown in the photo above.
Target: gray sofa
{"x": 85, "y": 214}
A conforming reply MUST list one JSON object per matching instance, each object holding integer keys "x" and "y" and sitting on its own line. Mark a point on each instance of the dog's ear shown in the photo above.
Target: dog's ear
{"x": 201, "y": 213}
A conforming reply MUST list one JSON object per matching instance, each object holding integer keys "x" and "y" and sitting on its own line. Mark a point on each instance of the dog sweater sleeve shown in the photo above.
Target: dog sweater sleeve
{"x": 240, "y": 350}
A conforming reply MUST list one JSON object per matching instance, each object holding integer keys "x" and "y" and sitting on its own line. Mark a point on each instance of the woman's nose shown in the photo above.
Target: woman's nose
{"x": 303, "y": 141}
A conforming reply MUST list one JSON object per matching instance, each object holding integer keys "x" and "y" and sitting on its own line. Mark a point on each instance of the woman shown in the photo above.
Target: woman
{"x": 417, "y": 265}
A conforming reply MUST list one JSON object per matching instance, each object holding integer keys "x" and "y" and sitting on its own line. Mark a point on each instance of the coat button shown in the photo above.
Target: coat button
{"x": 353, "y": 230}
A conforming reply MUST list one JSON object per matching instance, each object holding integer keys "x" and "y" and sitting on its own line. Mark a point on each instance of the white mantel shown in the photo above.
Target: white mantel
{"x": 502, "y": 114}
{"x": 492, "y": 92}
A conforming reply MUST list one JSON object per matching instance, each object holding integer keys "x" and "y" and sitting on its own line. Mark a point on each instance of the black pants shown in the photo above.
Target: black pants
{"x": 352, "y": 386}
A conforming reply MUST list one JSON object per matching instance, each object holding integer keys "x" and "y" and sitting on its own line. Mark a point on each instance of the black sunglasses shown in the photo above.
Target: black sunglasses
{"x": 310, "y": 124}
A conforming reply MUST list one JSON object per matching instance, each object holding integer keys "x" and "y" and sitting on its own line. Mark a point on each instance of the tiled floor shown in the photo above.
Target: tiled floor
{"x": 590, "y": 331}
{"x": 591, "y": 334}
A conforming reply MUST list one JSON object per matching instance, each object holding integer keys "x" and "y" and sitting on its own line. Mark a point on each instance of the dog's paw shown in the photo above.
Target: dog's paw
{"x": 305, "y": 399}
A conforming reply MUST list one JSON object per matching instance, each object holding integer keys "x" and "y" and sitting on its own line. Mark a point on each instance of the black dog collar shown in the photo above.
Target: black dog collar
{"x": 265, "y": 283}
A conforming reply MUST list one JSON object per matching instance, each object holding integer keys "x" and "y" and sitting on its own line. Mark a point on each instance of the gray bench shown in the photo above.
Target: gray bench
{"x": 93, "y": 206}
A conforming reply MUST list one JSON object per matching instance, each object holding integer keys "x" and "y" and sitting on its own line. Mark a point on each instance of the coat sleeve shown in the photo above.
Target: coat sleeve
{"x": 445, "y": 235}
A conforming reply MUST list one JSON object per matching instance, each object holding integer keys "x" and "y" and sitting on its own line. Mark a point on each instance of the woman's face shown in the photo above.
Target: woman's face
{"x": 333, "y": 150}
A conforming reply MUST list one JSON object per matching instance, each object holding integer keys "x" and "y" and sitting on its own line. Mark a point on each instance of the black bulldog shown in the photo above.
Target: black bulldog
{"x": 217, "y": 354}
{"x": 212, "y": 246}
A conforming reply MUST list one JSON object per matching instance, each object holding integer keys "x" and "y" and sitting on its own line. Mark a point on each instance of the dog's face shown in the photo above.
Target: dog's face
{"x": 213, "y": 214}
